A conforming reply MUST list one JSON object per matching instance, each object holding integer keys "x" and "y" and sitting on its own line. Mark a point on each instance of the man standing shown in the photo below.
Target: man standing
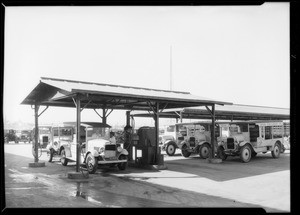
{"x": 126, "y": 138}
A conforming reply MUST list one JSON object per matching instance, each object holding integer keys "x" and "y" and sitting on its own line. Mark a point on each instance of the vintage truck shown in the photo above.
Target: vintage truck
{"x": 95, "y": 147}
{"x": 191, "y": 138}
{"x": 247, "y": 138}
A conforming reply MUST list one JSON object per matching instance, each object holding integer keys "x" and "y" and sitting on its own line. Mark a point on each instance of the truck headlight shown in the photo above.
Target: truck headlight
{"x": 119, "y": 149}
{"x": 101, "y": 150}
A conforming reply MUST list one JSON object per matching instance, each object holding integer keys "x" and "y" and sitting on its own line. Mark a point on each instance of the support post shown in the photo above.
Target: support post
{"x": 128, "y": 118}
{"x": 36, "y": 133}
{"x": 157, "y": 149}
{"x": 78, "y": 110}
{"x": 213, "y": 132}
{"x": 180, "y": 116}
{"x": 103, "y": 115}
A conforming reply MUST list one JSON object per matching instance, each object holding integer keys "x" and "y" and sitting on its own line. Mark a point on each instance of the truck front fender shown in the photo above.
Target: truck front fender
{"x": 67, "y": 150}
{"x": 124, "y": 152}
{"x": 241, "y": 144}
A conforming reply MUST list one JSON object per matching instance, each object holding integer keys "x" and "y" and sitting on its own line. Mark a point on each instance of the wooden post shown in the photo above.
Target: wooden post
{"x": 36, "y": 133}
{"x": 78, "y": 133}
{"x": 213, "y": 132}
{"x": 128, "y": 118}
{"x": 103, "y": 116}
{"x": 156, "y": 119}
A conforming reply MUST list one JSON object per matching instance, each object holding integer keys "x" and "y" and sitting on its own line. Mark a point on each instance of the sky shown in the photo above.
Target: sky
{"x": 237, "y": 54}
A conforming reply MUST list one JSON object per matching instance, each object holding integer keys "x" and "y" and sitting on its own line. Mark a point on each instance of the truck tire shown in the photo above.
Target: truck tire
{"x": 170, "y": 149}
{"x": 245, "y": 153}
{"x": 63, "y": 159}
{"x": 122, "y": 166}
{"x": 184, "y": 152}
{"x": 221, "y": 154}
{"x": 276, "y": 150}
{"x": 51, "y": 153}
{"x": 91, "y": 163}
{"x": 253, "y": 154}
{"x": 204, "y": 151}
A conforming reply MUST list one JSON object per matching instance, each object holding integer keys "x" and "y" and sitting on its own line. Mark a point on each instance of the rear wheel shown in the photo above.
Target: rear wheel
{"x": 63, "y": 159}
{"x": 276, "y": 150}
{"x": 91, "y": 163}
{"x": 253, "y": 154}
{"x": 221, "y": 154}
{"x": 204, "y": 150}
{"x": 185, "y": 152}
{"x": 282, "y": 148}
{"x": 245, "y": 154}
{"x": 170, "y": 149}
{"x": 51, "y": 153}
{"x": 122, "y": 166}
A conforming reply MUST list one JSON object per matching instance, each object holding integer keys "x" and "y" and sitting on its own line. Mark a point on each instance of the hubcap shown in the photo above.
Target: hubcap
{"x": 171, "y": 149}
{"x": 204, "y": 151}
{"x": 246, "y": 154}
{"x": 276, "y": 149}
{"x": 90, "y": 163}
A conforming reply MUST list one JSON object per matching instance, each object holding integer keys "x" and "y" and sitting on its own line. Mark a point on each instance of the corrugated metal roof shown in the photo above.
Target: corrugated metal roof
{"x": 231, "y": 112}
{"x": 59, "y": 92}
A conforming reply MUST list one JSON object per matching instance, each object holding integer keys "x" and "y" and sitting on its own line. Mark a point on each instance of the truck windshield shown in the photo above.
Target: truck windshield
{"x": 95, "y": 133}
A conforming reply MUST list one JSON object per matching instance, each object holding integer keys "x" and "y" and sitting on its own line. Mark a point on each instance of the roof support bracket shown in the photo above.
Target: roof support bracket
{"x": 74, "y": 102}
{"x": 211, "y": 113}
{"x": 85, "y": 105}
{"x": 164, "y": 107}
{"x": 98, "y": 113}
{"x": 43, "y": 111}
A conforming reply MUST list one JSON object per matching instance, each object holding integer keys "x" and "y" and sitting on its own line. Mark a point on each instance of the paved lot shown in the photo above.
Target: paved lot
{"x": 188, "y": 182}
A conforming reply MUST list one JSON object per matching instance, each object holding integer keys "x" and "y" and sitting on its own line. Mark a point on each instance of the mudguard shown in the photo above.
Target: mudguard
{"x": 94, "y": 153}
{"x": 67, "y": 150}
{"x": 221, "y": 143}
{"x": 182, "y": 144}
{"x": 124, "y": 152}
{"x": 171, "y": 142}
{"x": 241, "y": 144}
{"x": 202, "y": 142}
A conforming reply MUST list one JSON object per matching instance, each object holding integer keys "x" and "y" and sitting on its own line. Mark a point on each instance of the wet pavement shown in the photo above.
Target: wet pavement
{"x": 49, "y": 186}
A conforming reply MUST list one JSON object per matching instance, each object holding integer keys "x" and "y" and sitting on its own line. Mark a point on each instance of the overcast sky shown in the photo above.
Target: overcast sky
{"x": 236, "y": 54}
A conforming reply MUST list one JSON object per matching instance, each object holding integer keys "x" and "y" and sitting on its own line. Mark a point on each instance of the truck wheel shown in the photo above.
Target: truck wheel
{"x": 122, "y": 166}
{"x": 63, "y": 159}
{"x": 276, "y": 151}
{"x": 253, "y": 154}
{"x": 204, "y": 151}
{"x": 185, "y": 152}
{"x": 170, "y": 149}
{"x": 282, "y": 148}
{"x": 245, "y": 154}
{"x": 221, "y": 154}
{"x": 91, "y": 163}
{"x": 51, "y": 153}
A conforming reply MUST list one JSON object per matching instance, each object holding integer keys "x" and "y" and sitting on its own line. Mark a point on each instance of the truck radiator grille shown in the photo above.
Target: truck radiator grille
{"x": 110, "y": 147}
{"x": 45, "y": 139}
{"x": 230, "y": 143}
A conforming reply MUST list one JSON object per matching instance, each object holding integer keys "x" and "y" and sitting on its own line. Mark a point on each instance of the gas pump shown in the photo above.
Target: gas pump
{"x": 144, "y": 143}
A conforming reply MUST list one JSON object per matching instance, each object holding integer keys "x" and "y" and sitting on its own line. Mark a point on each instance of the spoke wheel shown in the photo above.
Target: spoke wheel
{"x": 276, "y": 151}
{"x": 221, "y": 154}
{"x": 122, "y": 166}
{"x": 51, "y": 153}
{"x": 63, "y": 159}
{"x": 204, "y": 151}
{"x": 185, "y": 152}
{"x": 91, "y": 163}
{"x": 170, "y": 149}
{"x": 245, "y": 154}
